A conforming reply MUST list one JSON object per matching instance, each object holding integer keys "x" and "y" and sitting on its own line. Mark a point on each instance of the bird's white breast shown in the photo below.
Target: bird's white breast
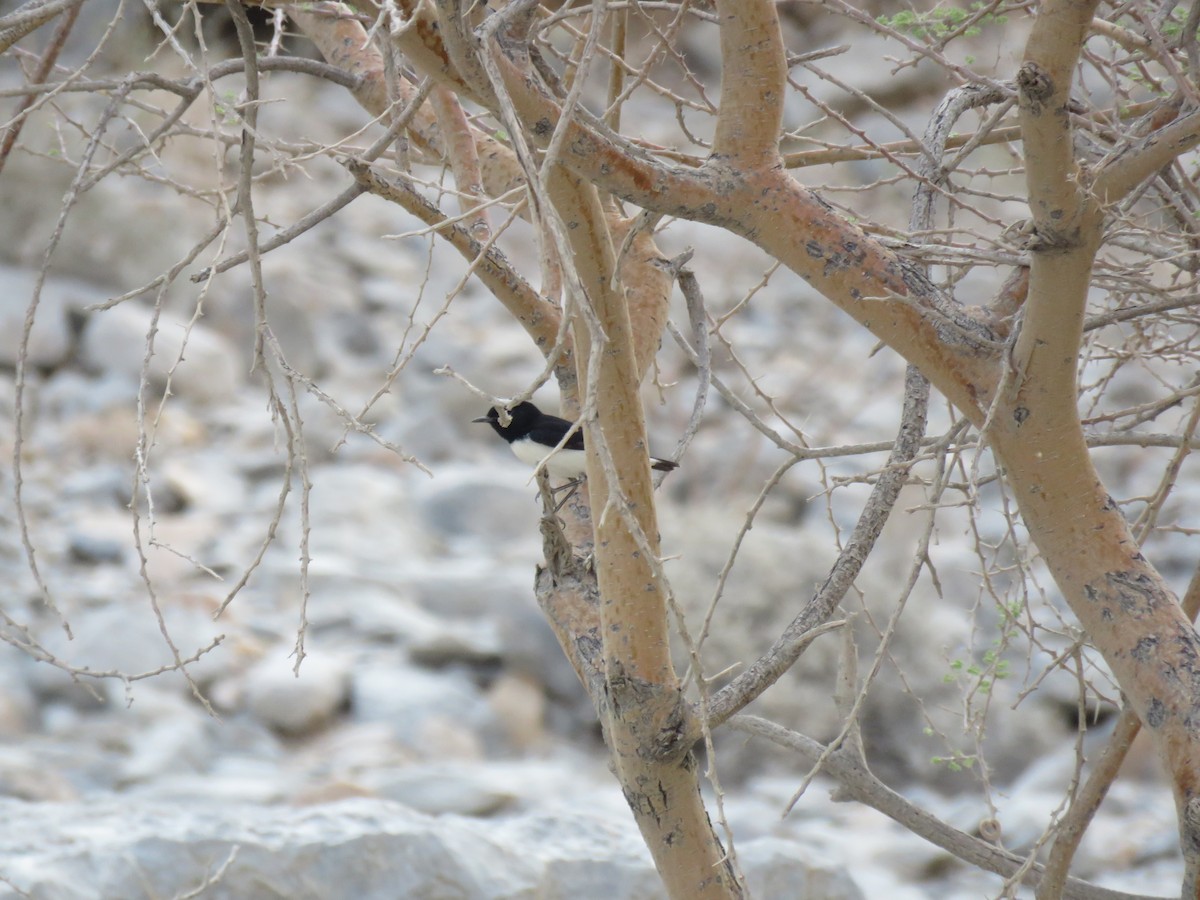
{"x": 563, "y": 464}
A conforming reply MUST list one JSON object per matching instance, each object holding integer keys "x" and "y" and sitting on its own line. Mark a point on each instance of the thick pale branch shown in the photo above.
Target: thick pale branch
{"x": 1043, "y": 93}
{"x": 1118, "y": 176}
{"x": 888, "y": 296}
{"x": 539, "y": 317}
{"x": 463, "y": 154}
{"x": 589, "y": 148}
{"x": 632, "y": 598}
{"x": 420, "y": 40}
{"x": 1066, "y": 218}
{"x": 1119, "y": 599}
{"x": 1045, "y": 355}
{"x": 641, "y": 704}
{"x": 647, "y": 283}
{"x": 893, "y": 299}
{"x": 753, "y": 78}
{"x": 459, "y": 44}
{"x": 566, "y": 591}
{"x": 872, "y": 284}
{"x": 1084, "y": 804}
{"x": 343, "y": 42}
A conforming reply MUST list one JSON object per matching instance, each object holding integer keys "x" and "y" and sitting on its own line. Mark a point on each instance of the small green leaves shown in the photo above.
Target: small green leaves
{"x": 954, "y": 763}
{"x": 941, "y": 22}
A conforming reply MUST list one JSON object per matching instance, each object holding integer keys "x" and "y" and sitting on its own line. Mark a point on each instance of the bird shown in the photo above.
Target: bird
{"x": 532, "y": 434}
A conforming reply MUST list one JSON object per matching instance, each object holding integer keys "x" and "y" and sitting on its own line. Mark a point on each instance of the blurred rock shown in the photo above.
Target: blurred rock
{"x": 94, "y": 548}
{"x": 779, "y": 868}
{"x": 17, "y": 701}
{"x": 50, "y": 341}
{"x": 128, "y": 640}
{"x": 114, "y": 342}
{"x": 23, "y": 776}
{"x": 297, "y": 703}
{"x": 438, "y": 790}
{"x": 472, "y": 643}
{"x": 363, "y": 524}
{"x": 205, "y": 481}
{"x": 180, "y": 740}
{"x": 150, "y": 235}
{"x": 354, "y": 848}
{"x": 435, "y": 714}
{"x": 473, "y": 587}
{"x": 520, "y": 705}
{"x": 529, "y": 648}
{"x": 472, "y": 510}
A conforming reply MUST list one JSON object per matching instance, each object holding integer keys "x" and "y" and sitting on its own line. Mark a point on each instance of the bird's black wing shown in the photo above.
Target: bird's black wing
{"x": 549, "y": 430}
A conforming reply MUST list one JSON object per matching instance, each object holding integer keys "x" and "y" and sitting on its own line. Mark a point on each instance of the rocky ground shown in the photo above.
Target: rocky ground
{"x": 434, "y": 743}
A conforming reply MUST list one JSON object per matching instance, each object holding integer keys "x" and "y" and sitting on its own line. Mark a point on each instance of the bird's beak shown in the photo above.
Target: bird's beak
{"x": 482, "y": 419}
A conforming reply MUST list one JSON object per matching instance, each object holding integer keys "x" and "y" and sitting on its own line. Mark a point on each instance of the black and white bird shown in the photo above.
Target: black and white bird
{"x": 532, "y": 434}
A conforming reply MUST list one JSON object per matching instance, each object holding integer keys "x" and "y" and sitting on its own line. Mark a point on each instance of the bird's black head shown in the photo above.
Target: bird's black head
{"x": 524, "y": 415}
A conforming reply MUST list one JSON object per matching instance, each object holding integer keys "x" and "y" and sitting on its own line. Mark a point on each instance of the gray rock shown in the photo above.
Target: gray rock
{"x": 294, "y": 326}
{"x": 126, "y": 230}
{"x": 571, "y": 868}
{"x": 18, "y": 706}
{"x": 128, "y": 640}
{"x": 363, "y": 849}
{"x": 50, "y": 339}
{"x": 472, "y": 642}
{"x": 295, "y": 704}
{"x": 779, "y": 868}
{"x": 24, "y": 775}
{"x": 417, "y": 703}
{"x": 93, "y": 549}
{"x": 529, "y": 647}
{"x": 207, "y": 481}
{"x": 105, "y": 485}
{"x": 362, "y": 523}
{"x": 438, "y": 789}
{"x": 354, "y": 848}
{"x": 178, "y": 742}
{"x": 114, "y": 342}
{"x": 481, "y": 507}
{"x": 470, "y": 587}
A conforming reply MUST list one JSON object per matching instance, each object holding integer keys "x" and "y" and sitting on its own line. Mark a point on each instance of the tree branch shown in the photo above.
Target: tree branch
{"x": 753, "y": 78}
{"x": 30, "y": 17}
{"x": 539, "y": 317}
{"x": 1043, "y": 93}
{"x": 343, "y": 42}
{"x": 1086, "y": 802}
{"x": 1120, "y": 174}
{"x": 857, "y": 783}
{"x": 796, "y": 638}
{"x": 641, "y": 706}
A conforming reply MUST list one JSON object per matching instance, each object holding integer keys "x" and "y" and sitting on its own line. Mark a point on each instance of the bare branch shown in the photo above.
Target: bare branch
{"x": 752, "y": 84}
{"x": 1121, "y": 173}
{"x": 856, "y": 781}
{"x": 539, "y": 317}
{"x": 30, "y": 17}
{"x": 795, "y": 639}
